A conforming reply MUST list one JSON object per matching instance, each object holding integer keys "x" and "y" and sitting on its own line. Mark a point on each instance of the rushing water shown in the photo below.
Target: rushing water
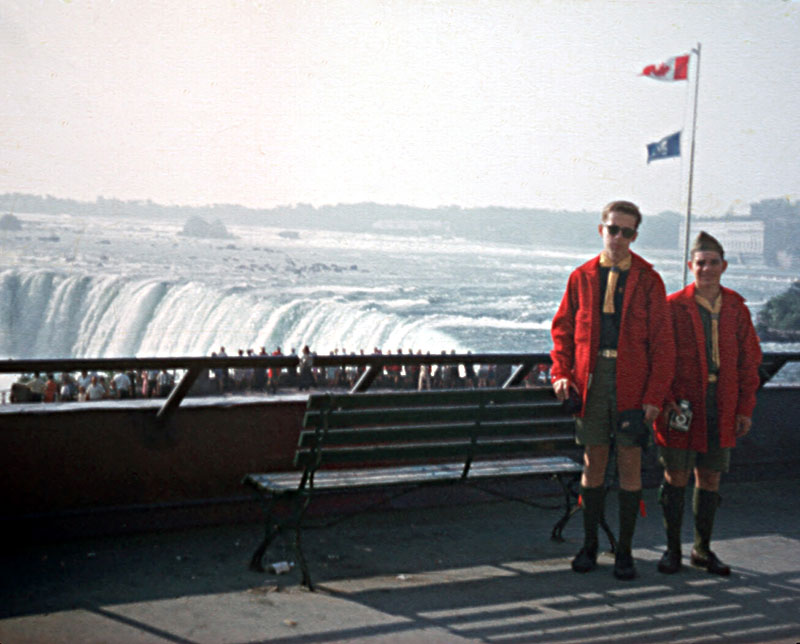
{"x": 108, "y": 287}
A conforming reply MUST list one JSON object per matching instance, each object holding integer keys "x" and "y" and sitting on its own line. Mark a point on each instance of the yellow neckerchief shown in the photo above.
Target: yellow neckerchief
{"x": 613, "y": 275}
{"x": 713, "y": 308}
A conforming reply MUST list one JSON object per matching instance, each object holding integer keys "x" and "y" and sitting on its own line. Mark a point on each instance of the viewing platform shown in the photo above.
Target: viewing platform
{"x": 445, "y": 577}
{"x": 127, "y": 522}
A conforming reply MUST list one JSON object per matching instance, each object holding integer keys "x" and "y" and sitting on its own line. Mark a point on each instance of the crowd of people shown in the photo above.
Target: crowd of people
{"x": 89, "y": 387}
{"x": 344, "y": 376}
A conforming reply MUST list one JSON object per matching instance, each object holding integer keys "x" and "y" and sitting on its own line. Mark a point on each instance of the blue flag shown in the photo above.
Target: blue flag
{"x": 669, "y": 146}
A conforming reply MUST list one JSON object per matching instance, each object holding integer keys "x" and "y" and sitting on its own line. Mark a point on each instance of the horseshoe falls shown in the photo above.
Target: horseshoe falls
{"x": 49, "y": 314}
{"x": 73, "y": 286}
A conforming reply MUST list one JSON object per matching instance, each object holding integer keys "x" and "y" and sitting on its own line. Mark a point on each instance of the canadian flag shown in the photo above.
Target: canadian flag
{"x": 674, "y": 69}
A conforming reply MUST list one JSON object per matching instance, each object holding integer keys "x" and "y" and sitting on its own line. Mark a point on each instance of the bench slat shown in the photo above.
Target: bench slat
{"x": 556, "y": 429}
{"x": 448, "y": 414}
{"x": 423, "y": 451}
{"x": 284, "y": 482}
{"x": 428, "y": 398}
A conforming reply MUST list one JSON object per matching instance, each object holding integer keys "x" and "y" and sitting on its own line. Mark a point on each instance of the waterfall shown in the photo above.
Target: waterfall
{"x": 48, "y": 314}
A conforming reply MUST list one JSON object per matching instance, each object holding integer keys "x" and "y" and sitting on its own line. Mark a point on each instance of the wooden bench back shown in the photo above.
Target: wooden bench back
{"x": 373, "y": 428}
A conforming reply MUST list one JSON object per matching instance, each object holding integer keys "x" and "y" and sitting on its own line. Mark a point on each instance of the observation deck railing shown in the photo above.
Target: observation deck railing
{"x": 368, "y": 367}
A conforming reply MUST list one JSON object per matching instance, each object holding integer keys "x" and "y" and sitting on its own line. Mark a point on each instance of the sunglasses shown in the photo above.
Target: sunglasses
{"x": 614, "y": 230}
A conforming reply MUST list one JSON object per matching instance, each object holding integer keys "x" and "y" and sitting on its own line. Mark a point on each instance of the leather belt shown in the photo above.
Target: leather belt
{"x": 608, "y": 353}
{"x": 712, "y": 377}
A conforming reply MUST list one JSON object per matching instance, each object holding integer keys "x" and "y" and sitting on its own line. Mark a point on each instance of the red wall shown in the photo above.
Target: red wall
{"x": 110, "y": 467}
{"x": 83, "y": 456}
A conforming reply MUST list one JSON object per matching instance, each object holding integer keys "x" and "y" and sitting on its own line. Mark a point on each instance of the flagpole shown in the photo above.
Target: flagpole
{"x": 691, "y": 169}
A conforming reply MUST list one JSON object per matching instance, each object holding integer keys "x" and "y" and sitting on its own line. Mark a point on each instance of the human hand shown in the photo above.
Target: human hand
{"x": 561, "y": 388}
{"x": 743, "y": 424}
{"x": 669, "y": 408}
{"x": 650, "y": 413}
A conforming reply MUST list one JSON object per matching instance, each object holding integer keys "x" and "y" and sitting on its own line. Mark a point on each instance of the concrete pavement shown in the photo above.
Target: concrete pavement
{"x": 476, "y": 572}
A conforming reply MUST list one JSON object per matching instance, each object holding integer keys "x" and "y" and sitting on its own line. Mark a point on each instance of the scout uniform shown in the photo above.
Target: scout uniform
{"x": 612, "y": 339}
{"x": 716, "y": 371}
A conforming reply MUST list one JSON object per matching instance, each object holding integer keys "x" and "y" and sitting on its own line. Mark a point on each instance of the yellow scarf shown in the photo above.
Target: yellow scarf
{"x": 714, "y": 309}
{"x": 613, "y": 275}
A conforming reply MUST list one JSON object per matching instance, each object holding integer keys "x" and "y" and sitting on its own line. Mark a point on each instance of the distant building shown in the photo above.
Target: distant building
{"x": 743, "y": 239}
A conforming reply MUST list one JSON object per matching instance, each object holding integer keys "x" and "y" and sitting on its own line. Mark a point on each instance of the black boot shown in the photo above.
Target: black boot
{"x": 628, "y": 511}
{"x": 593, "y": 501}
{"x": 705, "y": 504}
{"x": 671, "y": 499}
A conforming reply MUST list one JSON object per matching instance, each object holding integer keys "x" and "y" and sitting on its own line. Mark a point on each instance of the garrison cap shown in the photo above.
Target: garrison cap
{"x": 704, "y": 241}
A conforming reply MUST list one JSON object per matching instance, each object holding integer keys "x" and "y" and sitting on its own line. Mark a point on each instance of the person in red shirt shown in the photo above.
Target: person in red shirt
{"x": 273, "y": 374}
{"x": 711, "y": 402}
{"x": 50, "y": 389}
{"x": 613, "y": 353}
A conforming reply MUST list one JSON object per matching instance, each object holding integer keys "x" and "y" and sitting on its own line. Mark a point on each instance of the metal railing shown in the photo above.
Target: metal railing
{"x": 368, "y": 367}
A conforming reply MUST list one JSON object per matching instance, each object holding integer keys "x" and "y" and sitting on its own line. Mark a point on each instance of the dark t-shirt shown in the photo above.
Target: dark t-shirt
{"x": 610, "y": 322}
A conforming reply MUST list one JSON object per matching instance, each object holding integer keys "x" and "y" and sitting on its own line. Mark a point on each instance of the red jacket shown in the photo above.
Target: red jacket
{"x": 740, "y": 357}
{"x": 645, "y": 352}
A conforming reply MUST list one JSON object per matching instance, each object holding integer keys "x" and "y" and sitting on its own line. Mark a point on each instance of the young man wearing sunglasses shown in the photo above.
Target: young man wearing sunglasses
{"x": 716, "y": 379}
{"x": 613, "y": 354}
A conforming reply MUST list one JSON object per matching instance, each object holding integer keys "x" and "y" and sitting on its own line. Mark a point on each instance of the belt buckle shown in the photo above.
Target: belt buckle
{"x": 712, "y": 377}
{"x": 608, "y": 353}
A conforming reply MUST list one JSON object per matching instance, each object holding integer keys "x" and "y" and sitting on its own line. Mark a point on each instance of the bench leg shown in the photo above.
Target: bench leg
{"x": 301, "y": 560}
{"x": 570, "y": 510}
{"x": 300, "y": 506}
{"x": 272, "y": 528}
{"x": 270, "y": 532}
{"x": 569, "y": 507}
{"x": 558, "y": 528}
{"x": 609, "y": 534}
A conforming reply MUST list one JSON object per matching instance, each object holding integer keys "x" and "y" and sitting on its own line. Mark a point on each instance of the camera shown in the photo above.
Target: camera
{"x": 681, "y": 420}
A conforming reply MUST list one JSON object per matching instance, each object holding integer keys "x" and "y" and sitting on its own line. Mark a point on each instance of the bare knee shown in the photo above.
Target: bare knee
{"x": 595, "y": 460}
{"x": 677, "y": 478}
{"x": 707, "y": 479}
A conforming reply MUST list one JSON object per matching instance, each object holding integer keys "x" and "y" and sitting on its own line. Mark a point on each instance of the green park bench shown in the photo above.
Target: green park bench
{"x": 403, "y": 440}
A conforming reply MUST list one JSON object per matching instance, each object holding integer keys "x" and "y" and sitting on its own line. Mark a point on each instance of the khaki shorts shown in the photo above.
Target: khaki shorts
{"x": 715, "y": 458}
{"x": 599, "y": 422}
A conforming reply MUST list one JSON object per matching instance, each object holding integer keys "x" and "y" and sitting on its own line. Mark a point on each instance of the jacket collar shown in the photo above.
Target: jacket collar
{"x": 686, "y": 296}
{"x": 637, "y": 262}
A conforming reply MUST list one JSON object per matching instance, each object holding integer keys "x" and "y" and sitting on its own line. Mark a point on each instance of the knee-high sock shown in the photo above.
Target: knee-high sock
{"x": 704, "y": 506}
{"x": 628, "y": 510}
{"x": 594, "y": 506}
{"x": 672, "y": 502}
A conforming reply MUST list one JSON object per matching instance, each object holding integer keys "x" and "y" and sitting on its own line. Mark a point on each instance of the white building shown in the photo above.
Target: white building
{"x": 743, "y": 240}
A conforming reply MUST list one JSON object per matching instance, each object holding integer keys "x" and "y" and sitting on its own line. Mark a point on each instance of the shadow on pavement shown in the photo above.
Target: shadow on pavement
{"x": 476, "y": 573}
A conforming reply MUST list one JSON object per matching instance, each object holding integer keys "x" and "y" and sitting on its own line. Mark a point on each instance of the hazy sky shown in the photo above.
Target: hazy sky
{"x": 467, "y": 102}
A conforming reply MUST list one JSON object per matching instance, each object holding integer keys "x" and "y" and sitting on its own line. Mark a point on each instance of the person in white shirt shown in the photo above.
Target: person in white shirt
{"x": 95, "y": 391}
{"x": 122, "y": 383}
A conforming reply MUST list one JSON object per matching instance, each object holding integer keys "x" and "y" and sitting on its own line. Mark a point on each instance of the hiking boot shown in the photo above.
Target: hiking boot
{"x": 623, "y": 566}
{"x": 670, "y": 562}
{"x": 586, "y": 559}
{"x": 711, "y": 563}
